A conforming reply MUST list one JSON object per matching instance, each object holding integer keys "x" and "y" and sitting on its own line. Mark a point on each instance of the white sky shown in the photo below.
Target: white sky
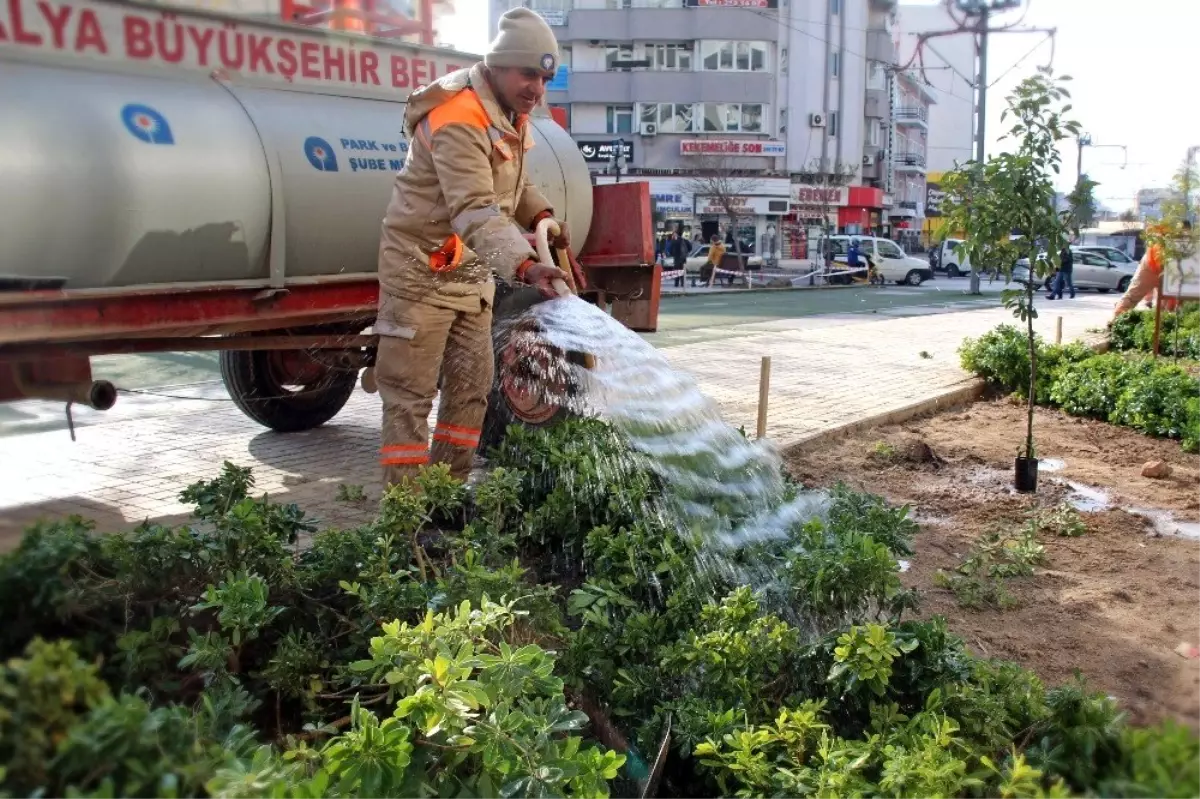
{"x": 1135, "y": 80}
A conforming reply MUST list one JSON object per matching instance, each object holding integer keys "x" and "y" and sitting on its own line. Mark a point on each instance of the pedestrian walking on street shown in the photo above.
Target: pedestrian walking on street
{"x": 1063, "y": 278}
{"x": 678, "y": 248}
{"x": 458, "y": 213}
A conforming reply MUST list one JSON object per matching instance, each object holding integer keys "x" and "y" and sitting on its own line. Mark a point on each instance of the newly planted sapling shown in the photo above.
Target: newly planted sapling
{"x": 1006, "y": 206}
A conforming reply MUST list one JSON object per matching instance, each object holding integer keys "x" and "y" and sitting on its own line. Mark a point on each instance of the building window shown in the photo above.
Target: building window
{"x": 874, "y": 133}
{"x": 835, "y": 6}
{"x": 835, "y": 67}
{"x": 564, "y": 56}
{"x": 669, "y": 56}
{"x": 733, "y": 117}
{"x": 620, "y": 118}
{"x": 731, "y": 56}
{"x": 833, "y": 123}
{"x": 669, "y": 117}
{"x": 614, "y": 53}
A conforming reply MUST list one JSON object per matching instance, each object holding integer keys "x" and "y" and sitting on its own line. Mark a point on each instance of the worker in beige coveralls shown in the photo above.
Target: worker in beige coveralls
{"x": 457, "y": 214}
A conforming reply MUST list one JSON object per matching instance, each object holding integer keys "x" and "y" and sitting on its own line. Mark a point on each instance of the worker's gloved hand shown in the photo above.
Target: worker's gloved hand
{"x": 542, "y": 278}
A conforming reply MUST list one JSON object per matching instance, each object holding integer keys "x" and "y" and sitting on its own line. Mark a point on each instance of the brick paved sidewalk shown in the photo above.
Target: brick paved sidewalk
{"x": 825, "y": 372}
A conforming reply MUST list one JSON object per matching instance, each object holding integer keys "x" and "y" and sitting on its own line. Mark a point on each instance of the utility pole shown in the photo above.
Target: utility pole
{"x": 1083, "y": 140}
{"x": 982, "y": 10}
{"x": 981, "y": 109}
{"x": 981, "y": 113}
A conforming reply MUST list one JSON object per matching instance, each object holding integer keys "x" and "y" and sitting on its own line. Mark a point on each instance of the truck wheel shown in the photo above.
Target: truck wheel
{"x": 286, "y": 390}
{"x": 513, "y": 400}
{"x": 952, "y": 270}
{"x": 913, "y": 278}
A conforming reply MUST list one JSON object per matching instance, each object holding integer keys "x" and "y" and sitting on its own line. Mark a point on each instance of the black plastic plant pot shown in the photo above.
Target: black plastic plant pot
{"x": 1026, "y": 475}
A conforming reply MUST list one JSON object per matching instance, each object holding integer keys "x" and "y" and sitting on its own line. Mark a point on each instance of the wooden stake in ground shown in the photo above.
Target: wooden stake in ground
{"x": 1058, "y": 330}
{"x": 1158, "y": 296}
{"x": 764, "y": 388}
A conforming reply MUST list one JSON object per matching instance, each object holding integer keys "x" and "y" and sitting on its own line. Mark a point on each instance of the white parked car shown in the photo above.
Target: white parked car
{"x": 891, "y": 263}
{"x": 1090, "y": 270}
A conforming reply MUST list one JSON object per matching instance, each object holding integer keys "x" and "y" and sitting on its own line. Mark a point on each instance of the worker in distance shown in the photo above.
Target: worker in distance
{"x": 458, "y": 211}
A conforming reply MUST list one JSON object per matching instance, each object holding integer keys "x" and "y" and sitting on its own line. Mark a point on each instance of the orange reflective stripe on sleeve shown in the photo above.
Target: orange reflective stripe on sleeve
{"x": 456, "y": 435}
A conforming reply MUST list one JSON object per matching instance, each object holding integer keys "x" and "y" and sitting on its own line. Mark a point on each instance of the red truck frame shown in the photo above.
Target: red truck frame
{"x": 290, "y": 355}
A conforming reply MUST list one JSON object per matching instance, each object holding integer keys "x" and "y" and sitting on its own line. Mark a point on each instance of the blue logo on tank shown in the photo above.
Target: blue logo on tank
{"x": 320, "y": 154}
{"x": 146, "y": 124}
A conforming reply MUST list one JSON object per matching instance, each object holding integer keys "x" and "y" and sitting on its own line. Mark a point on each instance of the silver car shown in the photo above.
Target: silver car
{"x": 1091, "y": 270}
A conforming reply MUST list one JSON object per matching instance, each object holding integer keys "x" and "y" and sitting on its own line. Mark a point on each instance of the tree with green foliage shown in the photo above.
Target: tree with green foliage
{"x": 1082, "y": 206}
{"x": 1006, "y": 205}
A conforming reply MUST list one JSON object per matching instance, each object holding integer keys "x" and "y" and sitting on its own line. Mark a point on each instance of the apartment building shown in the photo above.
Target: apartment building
{"x": 947, "y": 63}
{"x": 913, "y": 100}
{"x": 768, "y": 88}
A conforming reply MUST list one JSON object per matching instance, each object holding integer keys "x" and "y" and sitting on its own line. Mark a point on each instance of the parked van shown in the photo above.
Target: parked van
{"x": 948, "y": 257}
{"x": 891, "y": 263}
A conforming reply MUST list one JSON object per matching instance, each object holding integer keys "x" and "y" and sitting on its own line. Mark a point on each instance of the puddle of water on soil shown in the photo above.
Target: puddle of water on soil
{"x": 1165, "y": 523}
{"x": 905, "y": 565}
{"x": 1091, "y": 499}
{"x": 1051, "y": 464}
{"x": 1087, "y": 498}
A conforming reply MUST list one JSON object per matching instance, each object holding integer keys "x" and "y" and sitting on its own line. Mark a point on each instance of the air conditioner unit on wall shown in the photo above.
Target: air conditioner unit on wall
{"x": 649, "y": 129}
{"x": 868, "y": 160}
{"x": 816, "y": 120}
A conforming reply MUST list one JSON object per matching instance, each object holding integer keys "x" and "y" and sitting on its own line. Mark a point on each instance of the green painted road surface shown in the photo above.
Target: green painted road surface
{"x": 706, "y": 317}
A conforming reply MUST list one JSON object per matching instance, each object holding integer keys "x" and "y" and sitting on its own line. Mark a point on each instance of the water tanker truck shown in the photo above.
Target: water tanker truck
{"x": 183, "y": 181}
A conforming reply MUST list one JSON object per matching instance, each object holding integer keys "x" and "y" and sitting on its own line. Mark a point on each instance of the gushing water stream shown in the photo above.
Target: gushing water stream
{"x": 712, "y": 472}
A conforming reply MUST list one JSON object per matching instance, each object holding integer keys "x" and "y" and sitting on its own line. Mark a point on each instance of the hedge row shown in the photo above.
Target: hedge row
{"x": 1154, "y": 397}
{"x": 222, "y": 658}
{"x": 1135, "y": 331}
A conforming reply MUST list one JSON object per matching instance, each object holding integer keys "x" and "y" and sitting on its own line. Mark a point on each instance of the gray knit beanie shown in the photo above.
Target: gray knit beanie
{"x": 524, "y": 41}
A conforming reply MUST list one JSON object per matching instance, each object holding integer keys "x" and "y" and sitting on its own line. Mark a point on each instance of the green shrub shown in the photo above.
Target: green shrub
{"x": 217, "y": 659}
{"x": 1135, "y": 331}
{"x": 1001, "y": 356}
{"x": 1157, "y": 403}
{"x": 1157, "y": 398}
{"x": 1091, "y": 387}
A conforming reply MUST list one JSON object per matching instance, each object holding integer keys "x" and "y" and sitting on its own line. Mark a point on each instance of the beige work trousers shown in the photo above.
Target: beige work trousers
{"x": 415, "y": 341}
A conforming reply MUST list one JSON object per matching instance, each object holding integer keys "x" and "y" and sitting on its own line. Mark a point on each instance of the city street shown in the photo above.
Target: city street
{"x": 683, "y": 319}
{"x": 871, "y": 351}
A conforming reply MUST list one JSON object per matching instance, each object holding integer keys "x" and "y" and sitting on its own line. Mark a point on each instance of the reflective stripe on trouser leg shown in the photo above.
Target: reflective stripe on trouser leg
{"x": 406, "y": 370}
{"x": 466, "y": 383}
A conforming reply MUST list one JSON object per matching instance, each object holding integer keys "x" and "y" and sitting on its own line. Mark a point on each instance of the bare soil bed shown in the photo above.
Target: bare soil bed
{"x": 1114, "y": 603}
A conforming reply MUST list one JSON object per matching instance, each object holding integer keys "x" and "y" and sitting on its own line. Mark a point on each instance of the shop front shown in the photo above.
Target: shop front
{"x": 759, "y": 217}
{"x": 863, "y": 211}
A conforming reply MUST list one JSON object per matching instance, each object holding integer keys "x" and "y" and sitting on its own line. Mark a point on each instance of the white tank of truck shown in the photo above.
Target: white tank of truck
{"x": 144, "y": 145}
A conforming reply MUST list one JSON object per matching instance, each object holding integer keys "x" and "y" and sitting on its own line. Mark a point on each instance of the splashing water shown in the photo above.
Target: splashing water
{"x": 725, "y": 487}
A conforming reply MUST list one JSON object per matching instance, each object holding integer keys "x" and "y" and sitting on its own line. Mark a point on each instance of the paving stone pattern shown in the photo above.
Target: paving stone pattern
{"x": 825, "y": 372}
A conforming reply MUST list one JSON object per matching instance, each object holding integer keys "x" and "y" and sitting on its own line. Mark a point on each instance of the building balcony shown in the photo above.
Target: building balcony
{"x": 668, "y": 24}
{"x": 911, "y": 116}
{"x": 910, "y": 162}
